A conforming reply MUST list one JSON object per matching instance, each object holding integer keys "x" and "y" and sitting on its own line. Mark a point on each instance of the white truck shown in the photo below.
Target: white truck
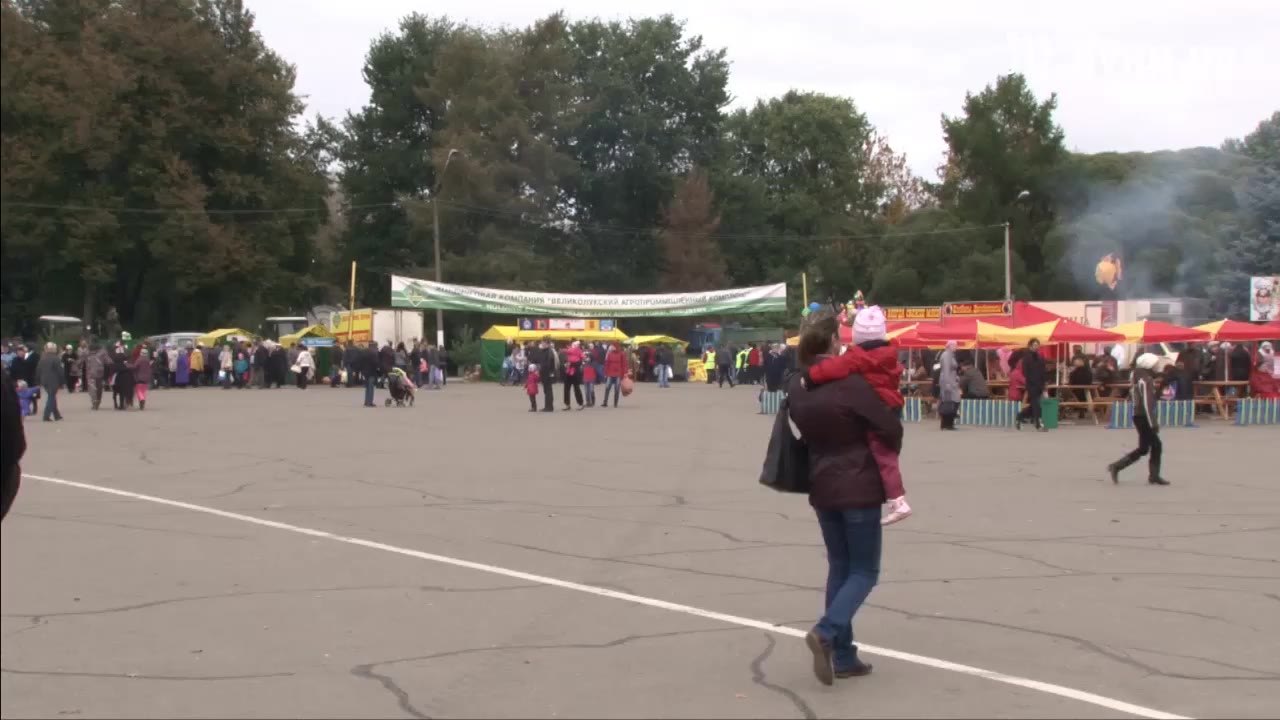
{"x": 392, "y": 325}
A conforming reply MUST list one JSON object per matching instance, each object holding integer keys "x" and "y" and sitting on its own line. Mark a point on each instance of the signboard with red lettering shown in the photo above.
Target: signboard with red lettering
{"x": 921, "y": 313}
{"x": 568, "y": 324}
{"x": 998, "y": 308}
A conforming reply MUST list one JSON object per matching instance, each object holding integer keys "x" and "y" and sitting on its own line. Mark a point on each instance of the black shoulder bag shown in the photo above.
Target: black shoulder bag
{"x": 786, "y": 462}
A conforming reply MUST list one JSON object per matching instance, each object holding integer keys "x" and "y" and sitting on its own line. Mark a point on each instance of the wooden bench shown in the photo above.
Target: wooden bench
{"x": 1216, "y": 399}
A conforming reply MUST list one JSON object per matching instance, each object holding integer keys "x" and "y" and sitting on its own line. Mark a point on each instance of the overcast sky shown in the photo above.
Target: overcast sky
{"x": 1130, "y": 74}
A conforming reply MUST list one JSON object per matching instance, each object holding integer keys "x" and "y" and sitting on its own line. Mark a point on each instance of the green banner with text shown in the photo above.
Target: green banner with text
{"x": 425, "y": 294}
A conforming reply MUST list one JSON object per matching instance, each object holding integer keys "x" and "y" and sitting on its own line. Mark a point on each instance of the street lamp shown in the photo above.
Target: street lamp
{"x": 435, "y": 231}
{"x": 1008, "y": 251}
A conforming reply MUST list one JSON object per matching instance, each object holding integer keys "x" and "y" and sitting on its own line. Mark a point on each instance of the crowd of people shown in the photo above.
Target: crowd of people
{"x": 751, "y": 364}
{"x": 957, "y": 374}
{"x": 129, "y": 372}
{"x": 580, "y": 368}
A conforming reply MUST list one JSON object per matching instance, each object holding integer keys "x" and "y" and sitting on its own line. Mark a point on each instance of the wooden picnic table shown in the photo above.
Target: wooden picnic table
{"x": 1093, "y": 399}
{"x": 1215, "y": 396}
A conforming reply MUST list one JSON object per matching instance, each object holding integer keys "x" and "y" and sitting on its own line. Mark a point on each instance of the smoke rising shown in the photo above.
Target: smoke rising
{"x": 1163, "y": 214}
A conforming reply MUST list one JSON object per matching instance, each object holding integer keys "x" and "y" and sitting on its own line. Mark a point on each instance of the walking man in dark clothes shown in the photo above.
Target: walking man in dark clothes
{"x": 1145, "y": 422}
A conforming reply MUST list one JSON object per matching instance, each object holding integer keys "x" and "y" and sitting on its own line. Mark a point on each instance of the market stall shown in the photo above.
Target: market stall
{"x": 1150, "y": 331}
{"x": 222, "y": 335}
{"x": 311, "y": 331}
{"x": 1236, "y": 331}
{"x": 493, "y": 343}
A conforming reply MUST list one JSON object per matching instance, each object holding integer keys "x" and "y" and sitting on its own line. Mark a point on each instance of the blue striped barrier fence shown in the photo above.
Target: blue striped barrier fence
{"x": 770, "y": 401}
{"x": 913, "y": 410}
{"x": 1169, "y": 413}
{"x": 1258, "y": 411}
{"x": 989, "y": 413}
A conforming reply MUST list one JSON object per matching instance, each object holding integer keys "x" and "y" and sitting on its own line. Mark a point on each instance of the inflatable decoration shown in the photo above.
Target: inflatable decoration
{"x": 1109, "y": 271}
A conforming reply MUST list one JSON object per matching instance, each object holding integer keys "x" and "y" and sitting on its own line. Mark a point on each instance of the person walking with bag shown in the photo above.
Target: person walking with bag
{"x": 303, "y": 368}
{"x": 51, "y": 375}
{"x": 1143, "y": 397}
{"x": 615, "y": 368}
{"x": 948, "y": 387}
{"x": 846, "y": 491}
{"x": 1033, "y": 373}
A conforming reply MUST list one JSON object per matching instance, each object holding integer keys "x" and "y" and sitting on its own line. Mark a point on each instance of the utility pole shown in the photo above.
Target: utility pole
{"x": 1008, "y": 265}
{"x": 435, "y": 231}
{"x": 1022, "y": 197}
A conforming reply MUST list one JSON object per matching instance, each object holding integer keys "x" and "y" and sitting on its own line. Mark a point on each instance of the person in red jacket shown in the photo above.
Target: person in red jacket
{"x": 876, "y": 361}
{"x": 589, "y": 377}
{"x": 532, "y": 380}
{"x": 615, "y": 367}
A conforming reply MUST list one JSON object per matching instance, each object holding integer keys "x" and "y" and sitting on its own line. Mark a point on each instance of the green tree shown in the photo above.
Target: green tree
{"x": 500, "y": 197}
{"x": 386, "y": 152}
{"x": 1005, "y": 142}
{"x": 1254, "y": 250}
{"x": 797, "y": 178}
{"x": 652, "y": 110}
{"x": 147, "y": 148}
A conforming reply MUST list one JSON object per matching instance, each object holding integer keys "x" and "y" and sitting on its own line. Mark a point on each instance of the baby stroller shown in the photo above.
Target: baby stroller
{"x": 401, "y": 387}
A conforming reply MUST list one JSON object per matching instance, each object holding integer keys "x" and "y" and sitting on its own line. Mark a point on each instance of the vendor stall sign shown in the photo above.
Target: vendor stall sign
{"x": 412, "y": 293}
{"x": 317, "y": 342}
{"x": 568, "y": 324}
{"x": 977, "y": 309}
{"x": 923, "y": 313}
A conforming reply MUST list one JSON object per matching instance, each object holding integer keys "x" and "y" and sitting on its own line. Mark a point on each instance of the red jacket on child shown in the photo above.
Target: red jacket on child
{"x": 531, "y": 381}
{"x": 878, "y": 365}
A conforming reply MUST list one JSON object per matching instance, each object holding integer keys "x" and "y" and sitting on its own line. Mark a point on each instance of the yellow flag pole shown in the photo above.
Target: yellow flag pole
{"x": 804, "y": 288}
{"x": 351, "y": 318}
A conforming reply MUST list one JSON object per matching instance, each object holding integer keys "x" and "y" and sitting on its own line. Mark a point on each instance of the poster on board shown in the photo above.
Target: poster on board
{"x": 1264, "y": 298}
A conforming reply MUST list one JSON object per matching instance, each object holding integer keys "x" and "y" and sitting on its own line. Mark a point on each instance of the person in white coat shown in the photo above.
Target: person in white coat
{"x": 303, "y": 368}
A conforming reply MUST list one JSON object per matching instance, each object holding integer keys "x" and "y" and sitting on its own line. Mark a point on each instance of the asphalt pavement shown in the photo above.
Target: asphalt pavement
{"x": 466, "y": 558}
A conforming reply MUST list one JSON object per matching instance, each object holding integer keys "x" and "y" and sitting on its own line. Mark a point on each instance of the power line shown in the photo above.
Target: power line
{"x": 268, "y": 214}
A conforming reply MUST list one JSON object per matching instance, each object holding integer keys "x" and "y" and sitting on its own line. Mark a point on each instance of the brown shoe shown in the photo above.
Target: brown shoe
{"x": 821, "y": 650}
{"x": 860, "y": 670}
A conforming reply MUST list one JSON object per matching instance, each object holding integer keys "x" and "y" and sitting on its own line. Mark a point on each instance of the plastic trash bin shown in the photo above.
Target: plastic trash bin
{"x": 1049, "y": 412}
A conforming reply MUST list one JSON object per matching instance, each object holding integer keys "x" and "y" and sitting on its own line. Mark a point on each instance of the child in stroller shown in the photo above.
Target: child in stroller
{"x": 401, "y": 387}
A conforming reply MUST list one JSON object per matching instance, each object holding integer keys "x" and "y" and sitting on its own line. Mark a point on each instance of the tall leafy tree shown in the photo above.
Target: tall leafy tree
{"x": 1255, "y": 249}
{"x": 500, "y": 198}
{"x": 148, "y": 148}
{"x": 1005, "y": 142}
{"x": 387, "y": 151}
{"x": 652, "y": 108}
{"x": 799, "y": 169}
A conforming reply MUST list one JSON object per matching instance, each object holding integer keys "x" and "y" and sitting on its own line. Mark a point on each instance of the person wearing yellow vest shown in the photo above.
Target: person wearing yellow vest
{"x": 709, "y": 362}
{"x": 740, "y": 366}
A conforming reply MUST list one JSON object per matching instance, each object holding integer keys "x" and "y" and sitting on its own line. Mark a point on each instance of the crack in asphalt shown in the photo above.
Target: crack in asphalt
{"x": 404, "y": 700}
{"x": 759, "y": 678}
{"x": 41, "y": 618}
{"x": 1190, "y": 613}
{"x": 1117, "y": 655}
{"x": 676, "y": 500}
{"x": 136, "y": 676}
{"x": 126, "y": 526}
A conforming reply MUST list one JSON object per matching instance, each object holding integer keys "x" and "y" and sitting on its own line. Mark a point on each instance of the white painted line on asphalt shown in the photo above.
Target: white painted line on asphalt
{"x": 1044, "y": 687}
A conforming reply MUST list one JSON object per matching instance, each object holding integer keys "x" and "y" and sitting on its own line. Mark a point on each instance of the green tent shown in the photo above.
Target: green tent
{"x": 493, "y": 349}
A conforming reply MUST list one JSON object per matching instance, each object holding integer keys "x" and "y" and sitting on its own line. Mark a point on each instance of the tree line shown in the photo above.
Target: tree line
{"x": 154, "y": 160}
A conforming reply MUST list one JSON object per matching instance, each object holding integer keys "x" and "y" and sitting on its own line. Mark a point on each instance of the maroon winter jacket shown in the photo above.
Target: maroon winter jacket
{"x": 834, "y": 419}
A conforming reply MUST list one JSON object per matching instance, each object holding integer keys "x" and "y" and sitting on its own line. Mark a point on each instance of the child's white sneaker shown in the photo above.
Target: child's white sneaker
{"x": 898, "y": 510}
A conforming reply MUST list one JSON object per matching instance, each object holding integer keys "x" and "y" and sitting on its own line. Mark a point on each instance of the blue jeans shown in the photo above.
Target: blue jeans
{"x": 51, "y": 404}
{"x": 614, "y": 384}
{"x": 853, "y": 539}
{"x": 664, "y": 375}
{"x": 369, "y": 381}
